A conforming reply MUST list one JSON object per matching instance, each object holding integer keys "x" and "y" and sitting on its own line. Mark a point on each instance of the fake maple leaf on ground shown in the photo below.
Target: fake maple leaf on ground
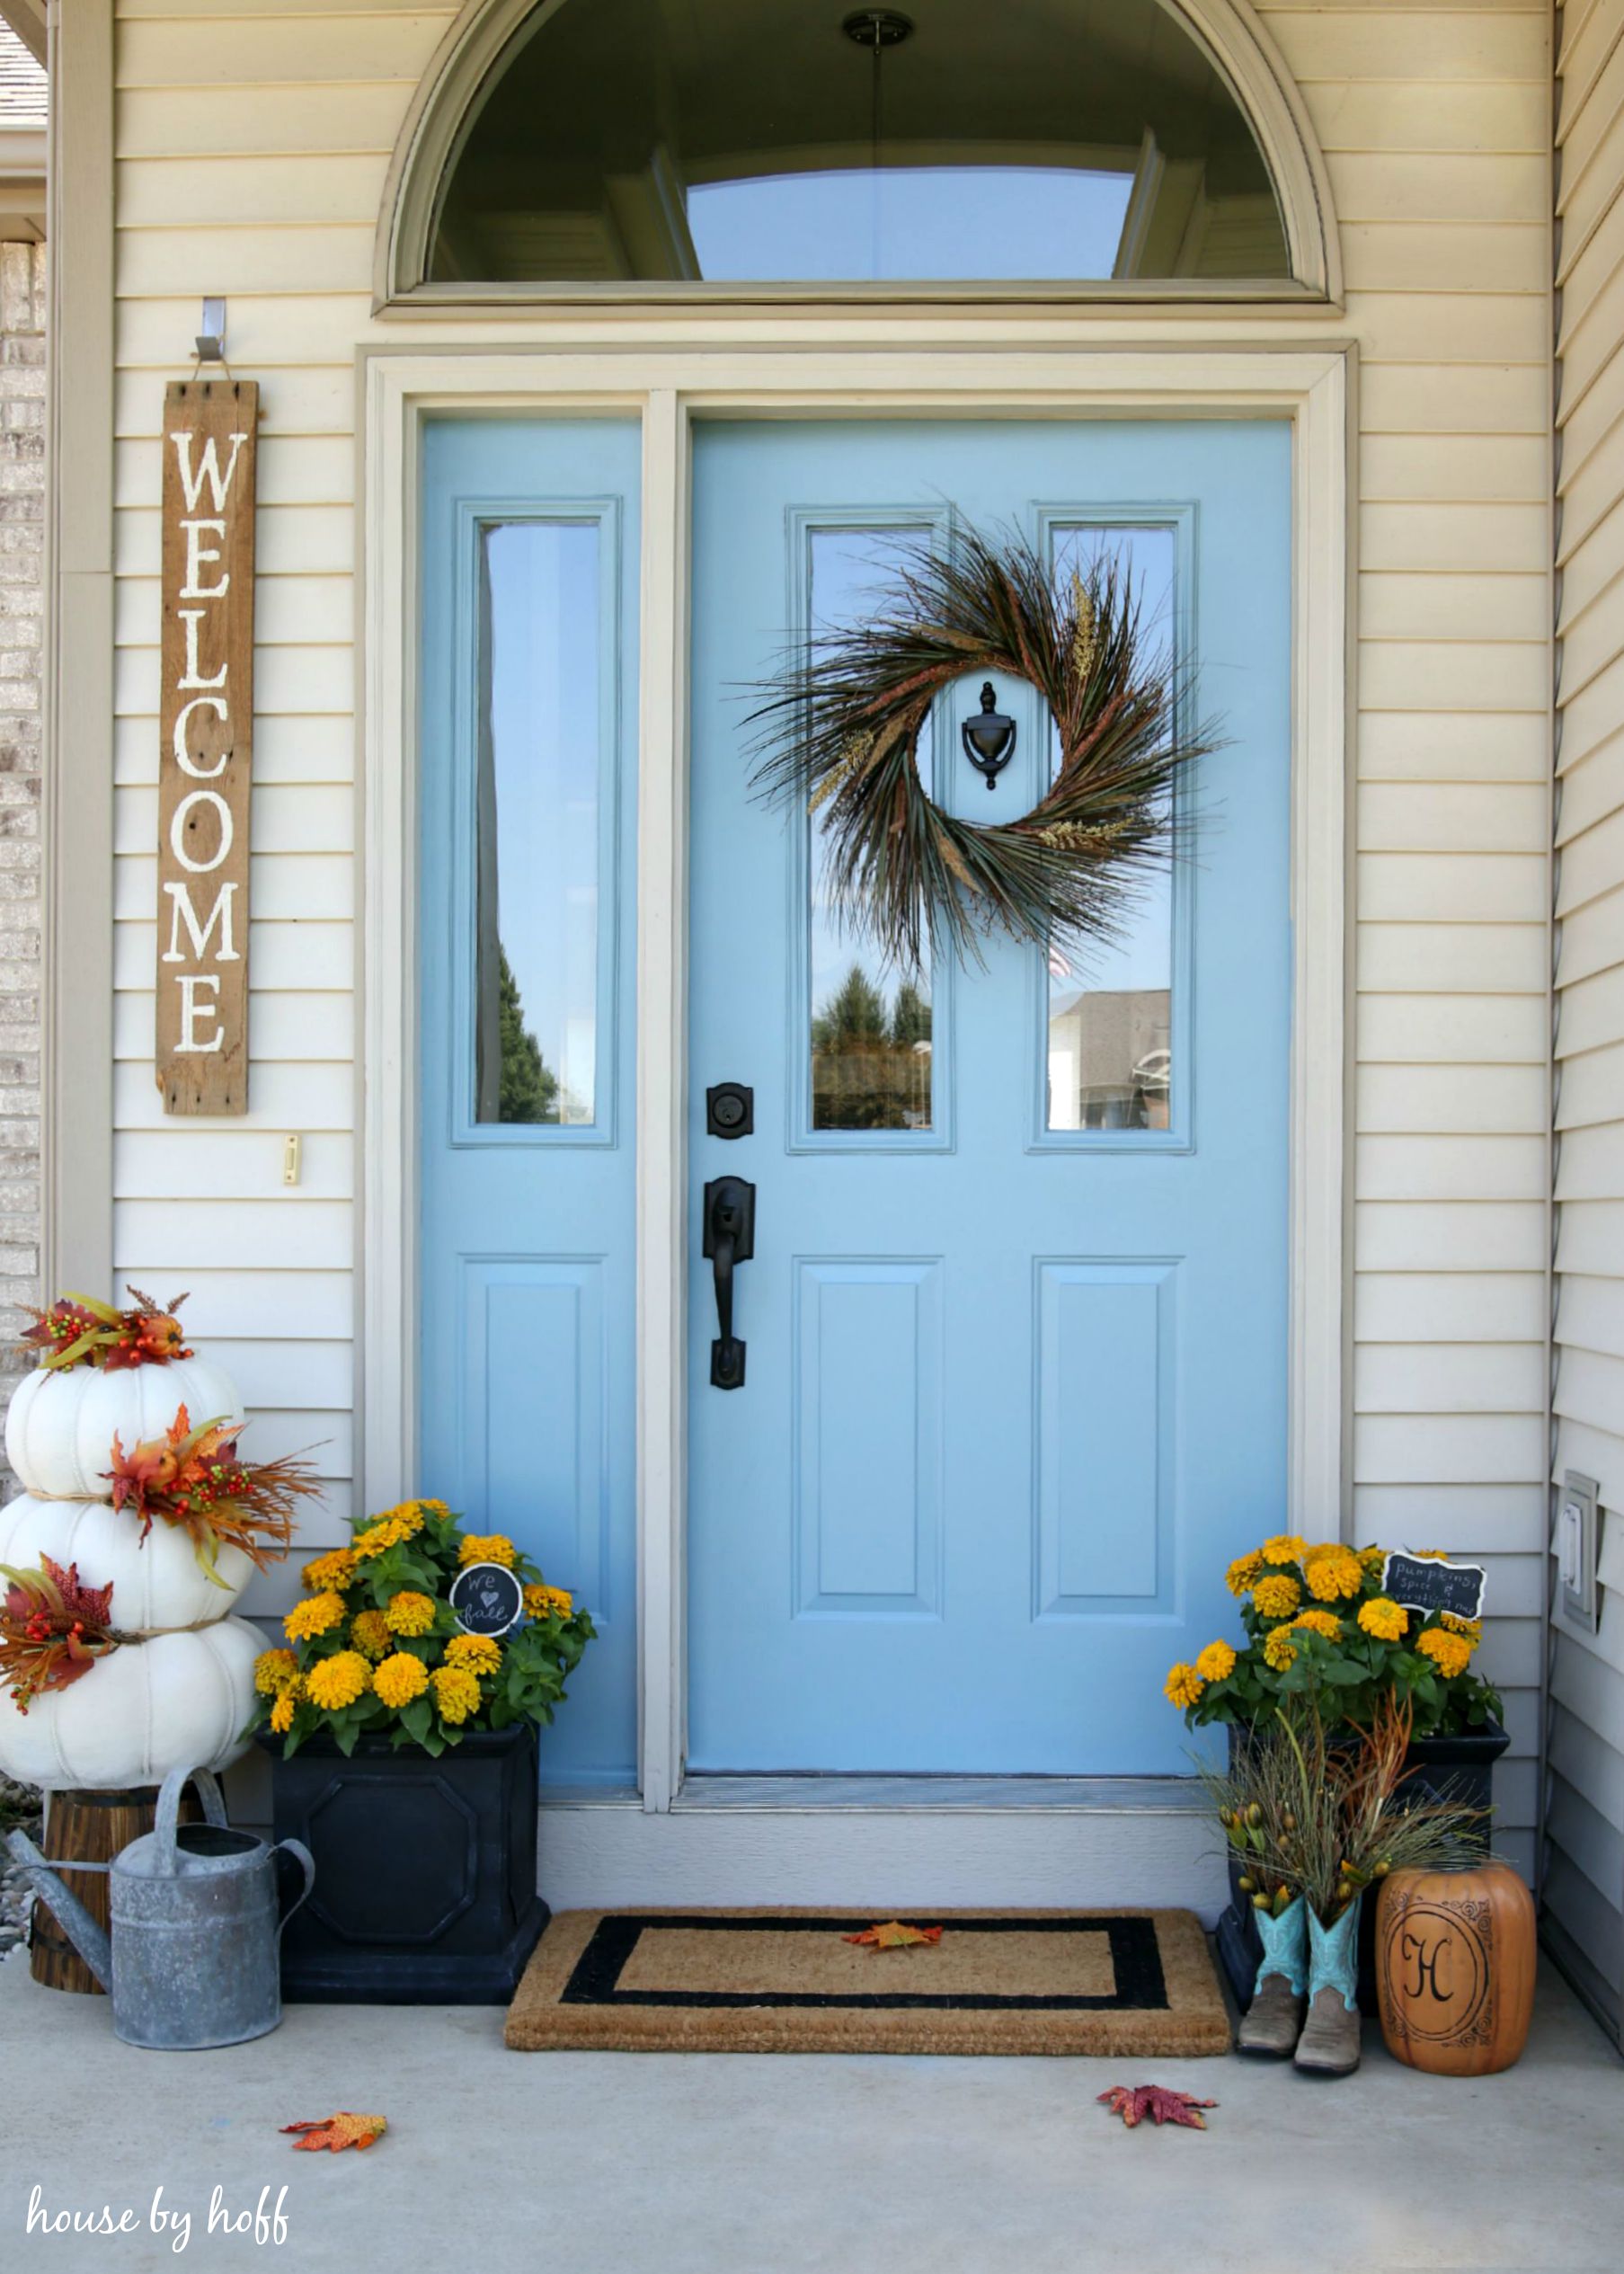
{"x": 1134, "y": 2103}
{"x": 893, "y": 1935}
{"x": 340, "y": 2132}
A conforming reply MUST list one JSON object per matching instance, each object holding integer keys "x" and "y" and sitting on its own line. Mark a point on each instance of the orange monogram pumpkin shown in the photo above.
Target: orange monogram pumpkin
{"x": 1455, "y": 1968}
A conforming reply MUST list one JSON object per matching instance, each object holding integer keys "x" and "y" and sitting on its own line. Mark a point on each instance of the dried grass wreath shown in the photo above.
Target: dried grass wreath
{"x": 839, "y": 736}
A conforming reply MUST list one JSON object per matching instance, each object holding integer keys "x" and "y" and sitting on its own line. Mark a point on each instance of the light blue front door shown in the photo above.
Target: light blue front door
{"x": 526, "y": 912}
{"x": 1016, "y": 1318}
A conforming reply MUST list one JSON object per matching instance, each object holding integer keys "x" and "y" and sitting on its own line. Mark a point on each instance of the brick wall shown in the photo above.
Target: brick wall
{"x": 21, "y": 608}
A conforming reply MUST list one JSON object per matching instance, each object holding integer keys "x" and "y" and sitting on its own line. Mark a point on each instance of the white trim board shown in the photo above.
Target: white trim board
{"x": 596, "y": 1854}
{"x": 669, "y": 385}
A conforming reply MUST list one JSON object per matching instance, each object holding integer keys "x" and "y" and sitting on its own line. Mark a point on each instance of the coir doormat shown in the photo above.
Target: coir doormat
{"x": 787, "y": 1981}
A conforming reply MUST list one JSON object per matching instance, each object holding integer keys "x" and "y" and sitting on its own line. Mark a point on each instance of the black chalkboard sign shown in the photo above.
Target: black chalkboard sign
{"x": 487, "y": 1599}
{"x": 1420, "y": 1583}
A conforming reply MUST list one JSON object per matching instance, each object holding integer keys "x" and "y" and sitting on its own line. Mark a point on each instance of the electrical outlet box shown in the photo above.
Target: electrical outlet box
{"x": 1575, "y": 1550}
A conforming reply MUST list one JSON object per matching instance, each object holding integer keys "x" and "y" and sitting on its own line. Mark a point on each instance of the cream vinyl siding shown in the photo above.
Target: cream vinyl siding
{"x": 1435, "y": 126}
{"x": 252, "y": 145}
{"x": 1584, "y": 1860}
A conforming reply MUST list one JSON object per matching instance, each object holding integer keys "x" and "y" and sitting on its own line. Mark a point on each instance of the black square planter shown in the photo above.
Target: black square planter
{"x": 1457, "y": 1768}
{"x": 425, "y": 1870}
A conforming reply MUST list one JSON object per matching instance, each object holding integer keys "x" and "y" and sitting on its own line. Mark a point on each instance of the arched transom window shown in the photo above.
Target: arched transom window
{"x": 802, "y": 141}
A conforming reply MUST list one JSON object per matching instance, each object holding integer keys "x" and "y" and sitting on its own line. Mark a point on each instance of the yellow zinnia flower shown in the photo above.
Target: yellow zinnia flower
{"x": 336, "y": 1569}
{"x": 455, "y": 1692}
{"x": 1388, "y": 1621}
{"x": 1325, "y": 1623}
{"x": 1183, "y": 1686}
{"x": 542, "y": 1602}
{"x": 1334, "y": 1576}
{"x": 400, "y": 1679}
{"x": 1372, "y": 1558}
{"x": 480, "y": 1653}
{"x": 408, "y": 1612}
{"x": 1284, "y": 1548}
{"x": 1216, "y": 1663}
{"x": 1279, "y": 1649}
{"x": 338, "y": 1681}
{"x": 1244, "y": 1573}
{"x": 317, "y": 1614}
{"x": 281, "y": 1714}
{"x": 273, "y": 1670}
{"x": 1450, "y": 1653}
{"x": 1277, "y": 1596}
{"x": 391, "y": 1530}
{"x": 486, "y": 1547}
{"x": 370, "y": 1632}
{"x": 1472, "y": 1628}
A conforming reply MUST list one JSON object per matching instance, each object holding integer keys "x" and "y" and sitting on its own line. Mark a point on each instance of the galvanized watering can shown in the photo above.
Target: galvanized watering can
{"x": 194, "y": 1958}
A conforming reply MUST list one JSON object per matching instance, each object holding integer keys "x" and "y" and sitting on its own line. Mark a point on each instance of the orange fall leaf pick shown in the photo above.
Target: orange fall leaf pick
{"x": 340, "y": 2132}
{"x": 894, "y": 1936}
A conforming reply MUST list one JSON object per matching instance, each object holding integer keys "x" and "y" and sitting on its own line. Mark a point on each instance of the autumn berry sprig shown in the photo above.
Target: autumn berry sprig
{"x": 52, "y": 1629}
{"x": 194, "y": 1479}
{"x": 79, "y": 1330}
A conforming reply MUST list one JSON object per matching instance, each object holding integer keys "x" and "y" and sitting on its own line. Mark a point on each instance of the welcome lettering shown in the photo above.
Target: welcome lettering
{"x": 205, "y": 744}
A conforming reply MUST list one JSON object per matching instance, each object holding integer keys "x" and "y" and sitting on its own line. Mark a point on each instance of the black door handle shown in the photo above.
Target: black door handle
{"x": 730, "y": 1239}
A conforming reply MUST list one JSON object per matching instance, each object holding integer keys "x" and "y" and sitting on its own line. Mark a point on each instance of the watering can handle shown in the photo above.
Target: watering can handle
{"x": 166, "y": 1817}
{"x": 301, "y": 1855}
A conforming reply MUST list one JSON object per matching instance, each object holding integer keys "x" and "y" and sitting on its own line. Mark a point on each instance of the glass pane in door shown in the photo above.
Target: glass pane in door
{"x": 537, "y": 833}
{"x": 871, "y": 1044}
{"x": 1110, "y": 1002}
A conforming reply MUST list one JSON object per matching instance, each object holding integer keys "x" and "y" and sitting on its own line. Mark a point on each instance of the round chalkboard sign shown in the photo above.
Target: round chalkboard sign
{"x": 487, "y": 1599}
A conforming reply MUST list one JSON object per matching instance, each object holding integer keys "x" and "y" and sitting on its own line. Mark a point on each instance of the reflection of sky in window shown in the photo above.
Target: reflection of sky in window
{"x": 1143, "y": 955}
{"x": 852, "y": 571}
{"x": 925, "y": 223}
{"x": 542, "y": 691}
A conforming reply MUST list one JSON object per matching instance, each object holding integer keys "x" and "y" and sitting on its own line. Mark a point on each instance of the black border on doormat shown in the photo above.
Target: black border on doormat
{"x": 1136, "y": 1961}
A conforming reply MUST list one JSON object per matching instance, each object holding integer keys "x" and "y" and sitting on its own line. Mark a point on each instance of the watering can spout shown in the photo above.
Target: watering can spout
{"x": 87, "y": 1937}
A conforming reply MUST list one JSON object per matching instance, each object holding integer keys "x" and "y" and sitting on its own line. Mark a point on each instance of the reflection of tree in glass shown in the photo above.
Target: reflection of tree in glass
{"x": 909, "y": 1016}
{"x": 529, "y": 1089}
{"x": 871, "y": 1061}
{"x": 852, "y": 1018}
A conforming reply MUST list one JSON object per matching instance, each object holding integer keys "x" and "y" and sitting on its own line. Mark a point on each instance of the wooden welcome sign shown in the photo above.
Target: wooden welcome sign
{"x": 206, "y": 745}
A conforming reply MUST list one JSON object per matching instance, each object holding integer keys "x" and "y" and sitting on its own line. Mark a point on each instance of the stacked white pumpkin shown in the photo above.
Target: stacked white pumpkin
{"x": 182, "y": 1695}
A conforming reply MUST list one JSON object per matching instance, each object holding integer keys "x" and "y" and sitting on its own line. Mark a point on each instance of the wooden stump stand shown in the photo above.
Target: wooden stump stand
{"x": 89, "y": 1827}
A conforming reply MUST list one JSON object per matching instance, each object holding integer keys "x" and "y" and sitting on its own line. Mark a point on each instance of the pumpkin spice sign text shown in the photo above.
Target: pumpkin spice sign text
{"x": 205, "y": 744}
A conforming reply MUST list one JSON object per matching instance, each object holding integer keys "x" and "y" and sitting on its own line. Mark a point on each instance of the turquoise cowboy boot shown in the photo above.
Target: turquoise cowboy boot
{"x": 1273, "y": 2020}
{"x": 1329, "y": 2043}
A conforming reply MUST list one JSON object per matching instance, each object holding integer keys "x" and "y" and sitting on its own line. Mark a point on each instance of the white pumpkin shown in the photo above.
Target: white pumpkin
{"x": 176, "y": 1701}
{"x": 61, "y": 1426}
{"x": 156, "y": 1582}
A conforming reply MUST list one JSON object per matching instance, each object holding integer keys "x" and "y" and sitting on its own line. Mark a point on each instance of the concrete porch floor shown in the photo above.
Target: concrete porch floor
{"x": 703, "y": 2164}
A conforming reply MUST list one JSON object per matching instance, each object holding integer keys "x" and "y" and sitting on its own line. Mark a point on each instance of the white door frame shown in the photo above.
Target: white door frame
{"x": 670, "y": 385}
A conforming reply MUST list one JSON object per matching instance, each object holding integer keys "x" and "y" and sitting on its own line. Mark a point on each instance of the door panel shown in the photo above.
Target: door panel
{"x": 1016, "y": 1314}
{"x": 527, "y": 905}
{"x": 868, "y": 1433}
